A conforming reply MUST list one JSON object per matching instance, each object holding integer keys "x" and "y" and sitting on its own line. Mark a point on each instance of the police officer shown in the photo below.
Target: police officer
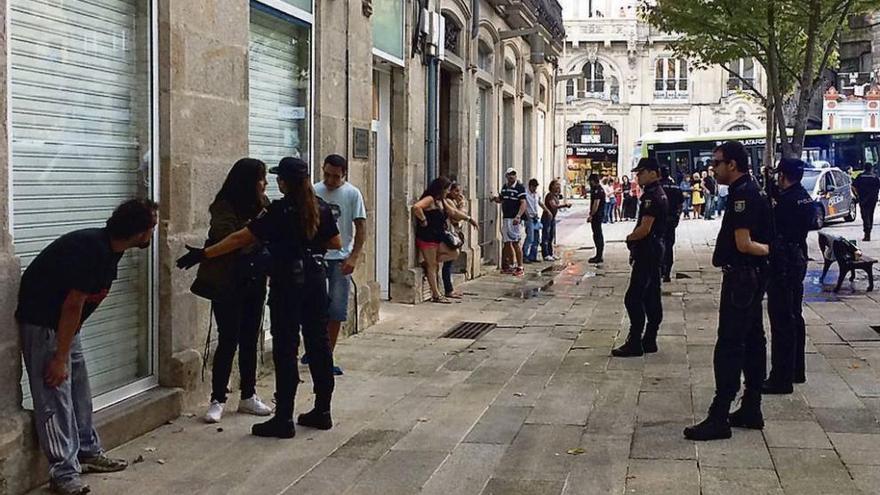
{"x": 793, "y": 216}
{"x": 597, "y": 216}
{"x": 741, "y": 251}
{"x": 299, "y": 228}
{"x": 866, "y": 187}
{"x": 676, "y": 201}
{"x": 642, "y": 298}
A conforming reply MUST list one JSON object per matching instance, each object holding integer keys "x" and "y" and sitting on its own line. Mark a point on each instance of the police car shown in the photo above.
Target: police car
{"x": 832, "y": 189}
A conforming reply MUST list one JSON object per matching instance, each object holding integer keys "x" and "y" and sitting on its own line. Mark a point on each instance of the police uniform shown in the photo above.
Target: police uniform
{"x": 642, "y": 299}
{"x": 793, "y": 217}
{"x": 675, "y": 198}
{"x": 741, "y": 348}
{"x": 298, "y": 301}
{"x": 867, "y": 186}
{"x": 597, "y": 194}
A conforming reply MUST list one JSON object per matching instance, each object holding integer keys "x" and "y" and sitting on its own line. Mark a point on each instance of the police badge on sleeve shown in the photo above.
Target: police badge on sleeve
{"x": 739, "y": 206}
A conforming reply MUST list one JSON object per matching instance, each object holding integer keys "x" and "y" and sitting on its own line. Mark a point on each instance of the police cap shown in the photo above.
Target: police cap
{"x": 791, "y": 167}
{"x": 290, "y": 168}
{"x": 647, "y": 164}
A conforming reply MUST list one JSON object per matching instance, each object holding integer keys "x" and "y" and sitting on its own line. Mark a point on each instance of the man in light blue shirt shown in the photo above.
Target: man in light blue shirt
{"x": 347, "y": 204}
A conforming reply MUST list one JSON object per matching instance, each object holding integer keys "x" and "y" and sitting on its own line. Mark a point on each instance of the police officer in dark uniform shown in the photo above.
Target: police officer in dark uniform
{"x": 676, "y": 201}
{"x": 741, "y": 251}
{"x": 645, "y": 243}
{"x": 866, "y": 187}
{"x": 596, "y": 216}
{"x": 299, "y": 228}
{"x": 793, "y": 217}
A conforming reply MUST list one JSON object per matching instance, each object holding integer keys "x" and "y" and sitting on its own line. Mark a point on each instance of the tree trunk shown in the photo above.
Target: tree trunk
{"x": 770, "y": 146}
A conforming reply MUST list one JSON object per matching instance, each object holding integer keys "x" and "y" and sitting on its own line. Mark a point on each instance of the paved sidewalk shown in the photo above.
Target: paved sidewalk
{"x": 537, "y": 406}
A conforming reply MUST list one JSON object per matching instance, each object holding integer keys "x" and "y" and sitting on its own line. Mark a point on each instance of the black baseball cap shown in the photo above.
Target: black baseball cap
{"x": 791, "y": 167}
{"x": 647, "y": 164}
{"x": 291, "y": 168}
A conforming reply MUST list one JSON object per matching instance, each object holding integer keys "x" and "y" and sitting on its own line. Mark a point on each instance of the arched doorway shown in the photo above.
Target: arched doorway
{"x": 591, "y": 147}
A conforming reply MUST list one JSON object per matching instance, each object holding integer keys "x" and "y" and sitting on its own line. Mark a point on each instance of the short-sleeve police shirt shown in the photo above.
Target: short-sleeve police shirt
{"x": 653, "y": 203}
{"x": 598, "y": 194}
{"x": 747, "y": 208}
{"x": 81, "y": 260}
{"x": 280, "y": 225}
{"x": 794, "y": 215}
{"x": 867, "y": 185}
{"x": 510, "y": 199}
{"x": 674, "y": 198}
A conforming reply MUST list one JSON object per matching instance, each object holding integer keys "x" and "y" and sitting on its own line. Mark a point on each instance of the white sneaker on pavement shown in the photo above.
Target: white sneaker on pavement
{"x": 215, "y": 412}
{"x": 254, "y": 406}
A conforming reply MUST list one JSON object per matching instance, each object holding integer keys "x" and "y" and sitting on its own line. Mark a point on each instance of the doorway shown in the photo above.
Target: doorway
{"x": 382, "y": 133}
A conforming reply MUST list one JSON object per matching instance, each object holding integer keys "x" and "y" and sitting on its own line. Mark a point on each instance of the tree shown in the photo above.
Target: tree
{"x": 795, "y": 41}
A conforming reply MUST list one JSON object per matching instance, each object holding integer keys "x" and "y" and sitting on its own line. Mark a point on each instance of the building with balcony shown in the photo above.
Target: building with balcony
{"x": 619, "y": 72}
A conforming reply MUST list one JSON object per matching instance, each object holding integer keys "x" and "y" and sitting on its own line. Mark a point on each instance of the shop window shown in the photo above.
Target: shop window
{"x": 387, "y": 22}
{"x": 670, "y": 78}
{"x": 745, "y": 81}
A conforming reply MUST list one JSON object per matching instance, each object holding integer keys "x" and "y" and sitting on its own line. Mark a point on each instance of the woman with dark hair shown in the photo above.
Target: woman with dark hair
{"x": 299, "y": 228}
{"x": 431, "y": 213}
{"x": 455, "y": 201}
{"x": 236, "y": 285}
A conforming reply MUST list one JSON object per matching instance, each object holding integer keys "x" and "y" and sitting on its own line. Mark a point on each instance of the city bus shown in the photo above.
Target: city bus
{"x": 847, "y": 149}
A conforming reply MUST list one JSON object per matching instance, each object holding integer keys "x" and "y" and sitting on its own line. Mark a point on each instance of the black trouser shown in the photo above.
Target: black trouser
{"x": 668, "y": 245}
{"x": 239, "y": 318}
{"x": 447, "y": 277}
{"x": 548, "y": 236}
{"x": 785, "y": 298}
{"x": 642, "y": 299}
{"x": 598, "y": 238}
{"x": 867, "y": 215}
{"x": 294, "y": 309}
{"x": 741, "y": 348}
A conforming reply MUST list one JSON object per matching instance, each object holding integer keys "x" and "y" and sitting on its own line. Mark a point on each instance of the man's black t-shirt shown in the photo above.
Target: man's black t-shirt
{"x": 794, "y": 215}
{"x": 597, "y": 194}
{"x": 867, "y": 185}
{"x": 81, "y": 260}
{"x": 510, "y": 199}
{"x": 747, "y": 208}
{"x": 281, "y": 228}
{"x": 710, "y": 185}
{"x": 675, "y": 200}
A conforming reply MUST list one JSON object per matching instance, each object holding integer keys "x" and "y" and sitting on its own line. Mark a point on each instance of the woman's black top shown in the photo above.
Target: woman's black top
{"x": 433, "y": 232}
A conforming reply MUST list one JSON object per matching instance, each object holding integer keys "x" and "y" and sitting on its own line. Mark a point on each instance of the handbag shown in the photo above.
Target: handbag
{"x": 451, "y": 239}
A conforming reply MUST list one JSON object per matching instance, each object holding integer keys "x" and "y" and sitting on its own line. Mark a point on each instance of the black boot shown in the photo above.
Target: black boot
{"x": 315, "y": 419}
{"x": 596, "y": 259}
{"x": 749, "y": 414}
{"x": 649, "y": 345}
{"x": 630, "y": 348}
{"x": 800, "y": 379}
{"x": 275, "y": 427}
{"x": 776, "y": 387}
{"x": 715, "y": 427}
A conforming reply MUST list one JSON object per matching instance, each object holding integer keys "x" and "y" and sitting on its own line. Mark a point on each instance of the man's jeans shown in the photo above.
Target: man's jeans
{"x": 548, "y": 237}
{"x": 533, "y": 239}
{"x": 62, "y": 415}
{"x": 709, "y": 207}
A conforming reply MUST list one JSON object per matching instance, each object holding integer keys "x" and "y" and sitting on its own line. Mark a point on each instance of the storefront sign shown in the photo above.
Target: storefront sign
{"x": 598, "y": 152}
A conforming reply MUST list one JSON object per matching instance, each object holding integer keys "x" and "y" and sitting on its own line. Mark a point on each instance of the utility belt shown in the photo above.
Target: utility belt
{"x": 743, "y": 284}
{"x": 295, "y": 271}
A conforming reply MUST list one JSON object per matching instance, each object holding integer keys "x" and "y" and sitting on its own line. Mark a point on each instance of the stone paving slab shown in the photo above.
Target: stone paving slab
{"x": 537, "y": 406}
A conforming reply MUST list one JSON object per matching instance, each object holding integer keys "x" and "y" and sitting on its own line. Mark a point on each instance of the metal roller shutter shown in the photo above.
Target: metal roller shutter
{"x": 279, "y": 77}
{"x": 80, "y": 127}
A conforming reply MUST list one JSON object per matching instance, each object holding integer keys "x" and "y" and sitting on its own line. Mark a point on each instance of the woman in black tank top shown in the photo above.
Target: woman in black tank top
{"x": 431, "y": 214}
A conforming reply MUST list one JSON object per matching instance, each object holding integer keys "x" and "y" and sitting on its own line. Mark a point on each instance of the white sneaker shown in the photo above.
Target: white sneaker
{"x": 254, "y": 406}
{"x": 550, "y": 258}
{"x": 215, "y": 412}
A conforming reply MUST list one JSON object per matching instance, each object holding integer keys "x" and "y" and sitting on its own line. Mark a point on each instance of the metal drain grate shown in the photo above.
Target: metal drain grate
{"x": 469, "y": 330}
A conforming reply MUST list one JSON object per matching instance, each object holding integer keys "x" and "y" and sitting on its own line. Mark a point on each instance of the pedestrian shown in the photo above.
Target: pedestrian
{"x": 741, "y": 251}
{"x": 722, "y": 198}
{"x": 626, "y": 191}
{"x": 433, "y": 238}
{"x": 513, "y": 206}
{"x": 347, "y": 204}
{"x": 455, "y": 201}
{"x": 618, "y": 200}
{"x": 60, "y": 289}
{"x": 642, "y": 300}
{"x": 596, "y": 216}
{"x": 675, "y": 200}
{"x": 548, "y": 219}
{"x": 533, "y": 222}
{"x": 687, "y": 191}
{"x": 710, "y": 187}
{"x": 236, "y": 286}
{"x": 866, "y": 187}
{"x": 793, "y": 217}
{"x": 299, "y": 229}
{"x": 697, "y": 198}
{"x": 608, "y": 214}
{"x": 634, "y": 196}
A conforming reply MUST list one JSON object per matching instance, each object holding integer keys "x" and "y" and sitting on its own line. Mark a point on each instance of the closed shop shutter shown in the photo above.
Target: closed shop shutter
{"x": 80, "y": 146}
{"x": 279, "y": 79}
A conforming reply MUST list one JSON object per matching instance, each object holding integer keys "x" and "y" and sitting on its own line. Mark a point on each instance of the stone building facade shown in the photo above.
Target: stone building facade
{"x": 618, "y": 72}
{"x": 110, "y": 99}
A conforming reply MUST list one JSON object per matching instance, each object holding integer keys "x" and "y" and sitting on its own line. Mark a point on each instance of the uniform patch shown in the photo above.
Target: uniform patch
{"x": 739, "y": 206}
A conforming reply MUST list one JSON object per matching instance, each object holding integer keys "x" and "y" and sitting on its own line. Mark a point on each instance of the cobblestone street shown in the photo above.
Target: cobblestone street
{"x": 537, "y": 406}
